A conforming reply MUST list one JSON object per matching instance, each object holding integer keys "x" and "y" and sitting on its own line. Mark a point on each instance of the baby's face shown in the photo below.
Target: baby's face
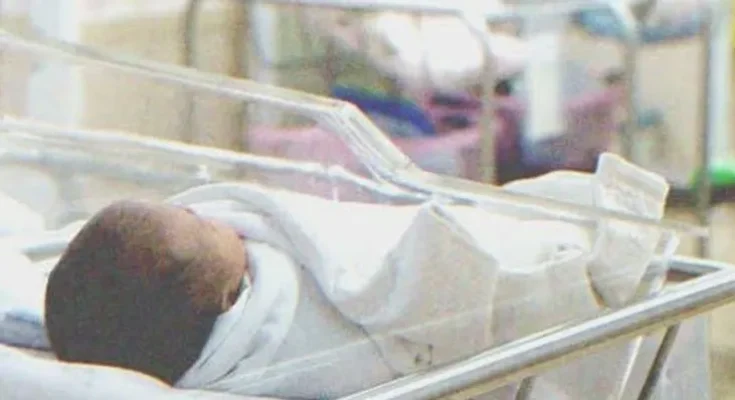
{"x": 211, "y": 246}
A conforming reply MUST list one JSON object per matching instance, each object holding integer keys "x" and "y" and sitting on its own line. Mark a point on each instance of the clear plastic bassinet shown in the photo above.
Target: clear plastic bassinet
{"x": 67, "y": 171}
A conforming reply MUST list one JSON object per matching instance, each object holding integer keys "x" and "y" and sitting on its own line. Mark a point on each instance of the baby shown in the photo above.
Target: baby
{"x": 238, "y": 288}
{"x": 155, "y": 287}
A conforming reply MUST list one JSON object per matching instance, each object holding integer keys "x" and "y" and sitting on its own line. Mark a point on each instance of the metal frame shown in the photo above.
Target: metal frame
{"x": 512, "y": 362}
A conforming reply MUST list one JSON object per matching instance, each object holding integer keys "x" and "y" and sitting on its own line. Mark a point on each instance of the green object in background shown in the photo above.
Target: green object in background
{"x": 721, "y": 174}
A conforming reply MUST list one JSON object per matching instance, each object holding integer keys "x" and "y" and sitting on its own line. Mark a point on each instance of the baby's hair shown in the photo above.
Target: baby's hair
{"x": 118, "y": 297}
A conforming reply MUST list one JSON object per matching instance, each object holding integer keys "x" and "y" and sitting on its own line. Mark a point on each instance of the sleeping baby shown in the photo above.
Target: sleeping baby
{"x": 256, "y": 291}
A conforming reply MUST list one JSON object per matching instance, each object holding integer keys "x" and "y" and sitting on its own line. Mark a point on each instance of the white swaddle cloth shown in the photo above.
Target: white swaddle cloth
{"x": 347, "y": 295}
{"x": 424, "y": 52}
{"x": 366, "y": 261}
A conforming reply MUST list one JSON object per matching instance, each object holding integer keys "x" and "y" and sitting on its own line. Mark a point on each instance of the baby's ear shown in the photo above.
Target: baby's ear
{"x": 210, "y": 290}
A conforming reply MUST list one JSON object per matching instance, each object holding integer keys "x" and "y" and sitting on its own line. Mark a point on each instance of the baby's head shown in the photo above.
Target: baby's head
{"x": 141, "y": 286}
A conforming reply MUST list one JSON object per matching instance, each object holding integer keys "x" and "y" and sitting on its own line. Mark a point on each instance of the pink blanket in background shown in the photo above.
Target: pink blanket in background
{"x": 591, "y": 125}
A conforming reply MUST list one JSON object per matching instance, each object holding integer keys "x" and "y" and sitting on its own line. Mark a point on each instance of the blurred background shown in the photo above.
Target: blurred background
{"x": 562, "y": 90}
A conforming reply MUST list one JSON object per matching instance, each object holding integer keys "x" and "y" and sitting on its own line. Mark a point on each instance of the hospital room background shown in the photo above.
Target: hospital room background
{"x": 420, "y": 77}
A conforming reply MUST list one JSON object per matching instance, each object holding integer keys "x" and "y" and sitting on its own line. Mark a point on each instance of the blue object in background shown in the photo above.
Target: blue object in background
{"x": 397, "y": 116}
{"x": 650, "y": 118}
{"x": 604, "y": 23}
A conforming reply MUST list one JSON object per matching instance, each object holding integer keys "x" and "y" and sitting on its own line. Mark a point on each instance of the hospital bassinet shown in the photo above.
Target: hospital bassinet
{"x": 65, "y": 173}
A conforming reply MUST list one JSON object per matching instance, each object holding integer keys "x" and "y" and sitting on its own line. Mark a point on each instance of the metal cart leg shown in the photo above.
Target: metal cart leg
{"x": 716, "y": 31}
{"x": 526, "y": 388}
{"x": 486, "y": 128}
{"x": 703, "y": 188}
{"x": 630, "y": 24}
{"x": 191, "y": 17}
{"x": 659, "y": 363}
{"x": 652, "y": 379}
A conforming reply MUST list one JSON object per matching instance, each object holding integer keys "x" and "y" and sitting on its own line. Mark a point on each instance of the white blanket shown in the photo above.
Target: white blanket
{"x": 346, "y": 296}
{"x": 426, "y": 52}
{"x": 18, "y": 218}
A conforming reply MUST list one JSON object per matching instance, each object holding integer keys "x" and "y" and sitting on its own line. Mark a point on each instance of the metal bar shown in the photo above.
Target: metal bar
{"x": 487, "y": 98}
{"x": 242, "y": 47}
{"x": 624, "y": 12}
{"x": 527, "y": 357}
{"x": 659, "y": 363}
{"x": 654, "y": 281}
{"x": 716, "y": 25}
{"x": 721, "y": 63}
{"x": 696, "y": 266}
{"x": 191, "y": 19}
{"x": 703, "y": 188}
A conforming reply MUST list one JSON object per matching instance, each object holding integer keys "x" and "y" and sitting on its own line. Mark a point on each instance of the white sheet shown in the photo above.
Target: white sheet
{"x": 18, "y": 218}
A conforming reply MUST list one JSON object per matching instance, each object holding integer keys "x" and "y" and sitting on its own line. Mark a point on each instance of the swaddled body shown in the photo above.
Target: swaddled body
{"x": 346, "y": 282}
{"x": 339, "y": 297}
